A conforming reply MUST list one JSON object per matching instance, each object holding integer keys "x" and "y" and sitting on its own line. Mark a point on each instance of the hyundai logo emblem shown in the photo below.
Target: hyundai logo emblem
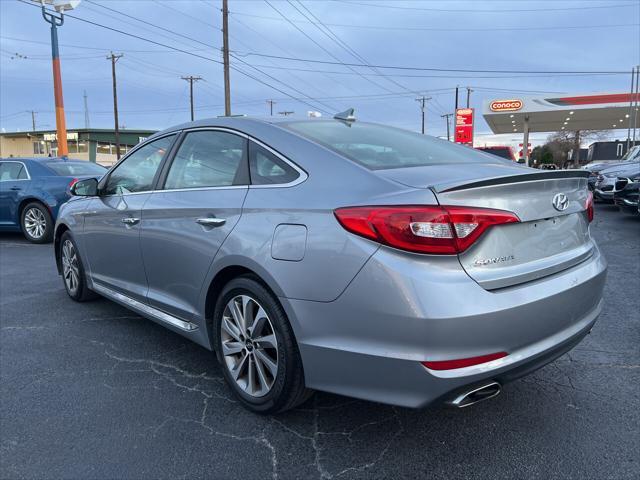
{"x": 560, "y": 202}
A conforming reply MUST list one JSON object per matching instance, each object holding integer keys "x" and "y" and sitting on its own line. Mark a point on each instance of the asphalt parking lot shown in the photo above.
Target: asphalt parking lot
{"x": 94, "y": 391}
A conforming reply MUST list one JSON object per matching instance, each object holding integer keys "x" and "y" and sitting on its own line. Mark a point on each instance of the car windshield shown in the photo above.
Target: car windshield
{"x": 76, "y": 168}
{"x": 379, "y": 147}
{"x": 632, "y": 155}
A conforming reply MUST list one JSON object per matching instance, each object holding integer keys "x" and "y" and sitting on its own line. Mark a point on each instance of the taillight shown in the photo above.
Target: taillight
{"x": 589, "y": 206}
{"x": 463, "y": 362}
{"x": 439, "y": 230}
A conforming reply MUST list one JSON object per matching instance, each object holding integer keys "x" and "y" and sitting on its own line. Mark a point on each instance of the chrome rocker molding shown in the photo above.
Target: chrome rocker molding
{"x": 143, "y": 309}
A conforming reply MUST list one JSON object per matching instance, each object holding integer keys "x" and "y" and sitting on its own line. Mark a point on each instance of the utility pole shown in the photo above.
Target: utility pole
{"x": 286, "y": 113}
{"x": 87, "y": 123}
{"x": 33, "y": 121}
{"x": 114, "y": 58}
{"x": 423, "y": 100}
{"x": 630, "y": 114}
{"x": 456, "y": 100}
{"x": 636, "y": 113}
{"x": 271, "y": 104}
{"x": 468, "y": 96}
{"x": 191, "y": 79}
{"x": 446, "y": 117}
{"x": 225, "y": 56}
{"x": 61, "y": 126}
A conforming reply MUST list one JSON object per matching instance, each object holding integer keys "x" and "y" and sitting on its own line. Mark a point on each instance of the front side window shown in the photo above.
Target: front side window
{"x": 208, "y": 159}
{"x": 380, "y": 147}
{"x": 11, "y": 171}
{"x": 137, "y": 171}
{"x": 268, "y": 169}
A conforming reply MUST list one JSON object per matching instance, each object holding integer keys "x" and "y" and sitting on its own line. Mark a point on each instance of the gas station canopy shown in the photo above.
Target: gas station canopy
{"x": 603, "y": 111}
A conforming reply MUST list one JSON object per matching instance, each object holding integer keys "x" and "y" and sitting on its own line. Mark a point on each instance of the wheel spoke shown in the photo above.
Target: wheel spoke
{"x": 232, "y": 348}
{"x": 251, "y": 380}
{"x": 230, "y": 328}
{"x": 237, "y": 315}
{"x": 262, "y": 376}
{"x": 268, "y": 341}
{"x": 238, "y": 367}
{"x": 258, "y": 322}
{"x": 270, "y": 364}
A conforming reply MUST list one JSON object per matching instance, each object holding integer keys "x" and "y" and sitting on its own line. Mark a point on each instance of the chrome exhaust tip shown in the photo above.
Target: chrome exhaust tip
{"x": 476, "y": 395}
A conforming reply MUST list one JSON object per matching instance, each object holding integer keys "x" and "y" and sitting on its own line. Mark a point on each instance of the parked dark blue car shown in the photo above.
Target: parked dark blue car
{"x": 32, "y": 190}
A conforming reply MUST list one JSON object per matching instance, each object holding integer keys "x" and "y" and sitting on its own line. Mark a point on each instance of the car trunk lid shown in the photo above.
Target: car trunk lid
{"x": 547, "y": 240}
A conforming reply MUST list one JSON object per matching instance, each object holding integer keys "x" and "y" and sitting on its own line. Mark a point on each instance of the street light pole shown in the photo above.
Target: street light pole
{"x": 61, "y": 128}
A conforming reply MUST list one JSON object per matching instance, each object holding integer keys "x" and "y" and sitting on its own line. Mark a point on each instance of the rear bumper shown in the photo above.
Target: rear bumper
{"x": 404, "y": 309}
{"x": 602, "y": 195}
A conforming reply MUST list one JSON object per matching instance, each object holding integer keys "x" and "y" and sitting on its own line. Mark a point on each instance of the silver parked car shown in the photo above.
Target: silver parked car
{"x": 340, "y": 256}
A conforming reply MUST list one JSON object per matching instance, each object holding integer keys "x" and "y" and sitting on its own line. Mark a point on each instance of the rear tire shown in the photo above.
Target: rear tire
{"x": 73, "y": 273}
{"x": 256, "y": 347}
{"x": 36, "y": 223}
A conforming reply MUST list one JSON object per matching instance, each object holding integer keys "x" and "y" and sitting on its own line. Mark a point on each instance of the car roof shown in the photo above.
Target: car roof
{"x": 242, "y": 123}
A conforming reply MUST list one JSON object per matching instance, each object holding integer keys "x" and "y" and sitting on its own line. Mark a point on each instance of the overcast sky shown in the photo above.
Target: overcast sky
{"x": 541, "y": 35}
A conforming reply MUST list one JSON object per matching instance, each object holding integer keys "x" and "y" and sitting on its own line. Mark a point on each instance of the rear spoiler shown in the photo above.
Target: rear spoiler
{"x": 527, "y": 177}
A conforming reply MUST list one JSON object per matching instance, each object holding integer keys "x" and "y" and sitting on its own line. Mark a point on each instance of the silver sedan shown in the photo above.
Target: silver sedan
{"x": 336, "y": 255}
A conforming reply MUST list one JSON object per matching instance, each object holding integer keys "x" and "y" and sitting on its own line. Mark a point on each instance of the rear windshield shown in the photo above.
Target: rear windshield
{"x": 498, "y": 152}
{"x": 379, "y": 147}
{"x": 69, "y": 169}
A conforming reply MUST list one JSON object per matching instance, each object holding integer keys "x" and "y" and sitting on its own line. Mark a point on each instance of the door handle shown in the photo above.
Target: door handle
{"x": 211, "y": 222}
{"x": 16, "y": 188}
{"x": 129, "y": 221}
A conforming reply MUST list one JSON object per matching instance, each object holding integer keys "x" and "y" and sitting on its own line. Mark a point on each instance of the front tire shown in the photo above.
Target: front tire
{"x": 73, "y": 274}
{"x": 256, "y": 347}
{"x": 36, "y": 223}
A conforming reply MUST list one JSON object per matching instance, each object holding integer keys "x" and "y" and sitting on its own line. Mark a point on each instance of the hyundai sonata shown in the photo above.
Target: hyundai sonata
{"x": 336, "y": 255}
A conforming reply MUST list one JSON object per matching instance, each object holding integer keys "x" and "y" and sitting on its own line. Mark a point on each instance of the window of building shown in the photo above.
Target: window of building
{"x": 38, "y": 148}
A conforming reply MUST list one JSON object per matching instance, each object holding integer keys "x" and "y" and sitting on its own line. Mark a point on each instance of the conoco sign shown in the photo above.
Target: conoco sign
{"x": 505, "y": 105}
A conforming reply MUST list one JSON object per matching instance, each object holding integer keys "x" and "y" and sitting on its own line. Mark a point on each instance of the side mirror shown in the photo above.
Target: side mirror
{"x": 85, "y": 188}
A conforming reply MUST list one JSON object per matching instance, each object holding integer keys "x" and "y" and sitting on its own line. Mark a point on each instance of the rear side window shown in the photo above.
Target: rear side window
{"x": 11, "y": 171}
{"x": 208, "y": 159}
{"x": 268, "y": 169}
{"x": 379, "y": 147}
{"x": 71, "y": 169}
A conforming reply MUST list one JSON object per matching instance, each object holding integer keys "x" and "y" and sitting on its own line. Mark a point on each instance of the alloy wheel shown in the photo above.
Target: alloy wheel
{"x": 35, "y": 222}
{"x": 249, "y": 345}
{"x": 70, "y": 268}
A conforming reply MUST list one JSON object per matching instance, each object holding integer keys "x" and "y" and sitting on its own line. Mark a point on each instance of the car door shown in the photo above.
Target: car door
{"x": 14, "y": 183}
{"x": 185, "y": 223}
{"x": 112, "y": 222}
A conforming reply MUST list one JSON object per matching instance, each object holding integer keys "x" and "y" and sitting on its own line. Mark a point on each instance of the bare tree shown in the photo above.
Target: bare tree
{"x": 563, "y": 142}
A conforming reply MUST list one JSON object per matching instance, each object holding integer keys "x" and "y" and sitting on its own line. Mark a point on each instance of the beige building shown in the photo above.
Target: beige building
{"x": 95, "y": 145}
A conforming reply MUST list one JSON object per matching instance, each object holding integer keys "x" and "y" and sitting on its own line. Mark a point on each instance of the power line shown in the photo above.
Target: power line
{"x": 446, "y": 29}
{"x": 144, "y": 39}
{"x": 465, "y": 10}
{"x": 342, "y": 44}
{"x": 328, "y": 62}
{"x": 433, "y": 69}
{"x": 328, "y": 52}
